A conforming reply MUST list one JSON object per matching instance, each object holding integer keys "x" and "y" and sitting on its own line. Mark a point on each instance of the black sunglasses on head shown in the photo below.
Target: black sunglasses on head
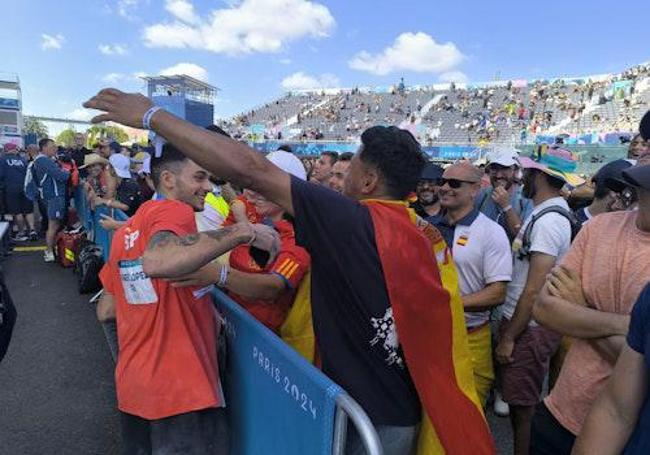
{"x": 454, "y": 183}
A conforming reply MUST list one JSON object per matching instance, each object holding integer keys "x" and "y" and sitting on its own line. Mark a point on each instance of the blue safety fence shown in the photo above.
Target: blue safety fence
{"x": 278, "y": 403}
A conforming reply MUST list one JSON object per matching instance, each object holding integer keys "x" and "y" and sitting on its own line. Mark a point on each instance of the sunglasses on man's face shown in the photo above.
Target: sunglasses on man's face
{"x": 454, "y": 183}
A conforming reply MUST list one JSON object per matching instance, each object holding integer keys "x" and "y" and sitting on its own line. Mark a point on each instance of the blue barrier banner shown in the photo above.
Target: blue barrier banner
{"x": 277, "y": 402}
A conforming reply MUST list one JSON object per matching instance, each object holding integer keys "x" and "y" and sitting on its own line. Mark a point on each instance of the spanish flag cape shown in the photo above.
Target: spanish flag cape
{"x": 430, "y": 325}
{"x": 422, "y": 286}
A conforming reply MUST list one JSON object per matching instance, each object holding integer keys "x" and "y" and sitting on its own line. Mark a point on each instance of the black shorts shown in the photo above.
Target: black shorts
{"x": 16, "y": 203}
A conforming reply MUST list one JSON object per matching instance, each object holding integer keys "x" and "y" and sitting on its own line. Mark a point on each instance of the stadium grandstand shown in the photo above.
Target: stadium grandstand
{"x": 581, "y": 110}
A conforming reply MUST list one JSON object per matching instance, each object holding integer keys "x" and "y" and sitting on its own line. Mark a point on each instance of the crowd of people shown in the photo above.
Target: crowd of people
{"x": 427, "y": 292}
{"x": 509, "y": 112}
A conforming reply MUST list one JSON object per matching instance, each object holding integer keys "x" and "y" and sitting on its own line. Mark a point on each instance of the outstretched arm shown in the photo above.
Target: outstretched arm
{"x": 170, "y": 256}
{"x": 224, "y": 157}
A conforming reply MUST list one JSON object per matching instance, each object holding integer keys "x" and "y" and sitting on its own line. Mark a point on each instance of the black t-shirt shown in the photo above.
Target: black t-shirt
{"x": 79, "y": 155}
{"x": 129, "y": 193}
{"x": 352, "y": 316}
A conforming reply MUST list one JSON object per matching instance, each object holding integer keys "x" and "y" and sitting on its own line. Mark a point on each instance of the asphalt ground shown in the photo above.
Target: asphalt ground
{"x": 57, "y": 393}
{"x": 56, "y": 381}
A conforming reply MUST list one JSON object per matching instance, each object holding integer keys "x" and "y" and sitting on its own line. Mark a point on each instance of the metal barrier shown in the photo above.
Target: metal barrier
{"x": 278, "y": 402}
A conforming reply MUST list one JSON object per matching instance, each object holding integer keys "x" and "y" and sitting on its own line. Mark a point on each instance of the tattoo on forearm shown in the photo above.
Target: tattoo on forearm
{"x": 189, "y": 240}
{"x": 165, "y": 238}
{"x": 161, "y": 239}
{"x": 220, "y": 233}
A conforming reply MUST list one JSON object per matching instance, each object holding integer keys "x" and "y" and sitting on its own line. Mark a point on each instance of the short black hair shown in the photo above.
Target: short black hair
{"x": 346, "y": 156}
{"x": 171, "y": 159}
{"x": 554, "y": 182}
{"x": 397, "y": 156}
{"x": 286, "y": 148}
{"x": 43, "y": 142}
{"x": 334, "y": 157}
{"x": 217, "y": 129}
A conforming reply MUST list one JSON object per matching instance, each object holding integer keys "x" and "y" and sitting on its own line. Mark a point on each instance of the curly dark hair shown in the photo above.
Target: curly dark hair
{"x": 396, "y": 154}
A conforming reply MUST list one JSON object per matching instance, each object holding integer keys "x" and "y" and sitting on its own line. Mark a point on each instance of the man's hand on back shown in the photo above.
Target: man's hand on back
{"x": 125, "y": 108}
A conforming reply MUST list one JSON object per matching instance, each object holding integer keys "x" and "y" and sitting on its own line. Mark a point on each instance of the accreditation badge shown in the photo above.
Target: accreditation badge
{"x": 138, "y": 288}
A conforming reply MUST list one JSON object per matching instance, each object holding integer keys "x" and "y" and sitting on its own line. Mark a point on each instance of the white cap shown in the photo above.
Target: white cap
{"x": 288, "y": 162}
{"x": 121, "y": 164}
{"x": 505, "y": 156}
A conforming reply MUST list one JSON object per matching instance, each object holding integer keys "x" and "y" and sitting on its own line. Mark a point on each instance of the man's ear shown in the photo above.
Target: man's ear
{"x": 370, "y": 181}
{"x": 167, "y": 179}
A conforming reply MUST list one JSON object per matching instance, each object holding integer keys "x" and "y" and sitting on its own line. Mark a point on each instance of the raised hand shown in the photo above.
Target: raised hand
{"x": 125, "y": 108}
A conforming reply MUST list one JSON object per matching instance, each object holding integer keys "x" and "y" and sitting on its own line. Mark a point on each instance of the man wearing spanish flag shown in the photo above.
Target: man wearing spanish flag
{"x": 390, "y": 328}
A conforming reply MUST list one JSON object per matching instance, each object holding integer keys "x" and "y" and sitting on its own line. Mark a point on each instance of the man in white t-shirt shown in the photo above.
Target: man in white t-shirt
{"x": 483, "y": 259}
{"x": 525, "y": 348}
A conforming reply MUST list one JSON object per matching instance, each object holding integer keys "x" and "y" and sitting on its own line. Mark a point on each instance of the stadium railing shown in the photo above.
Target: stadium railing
{"x": 277, "y": 401}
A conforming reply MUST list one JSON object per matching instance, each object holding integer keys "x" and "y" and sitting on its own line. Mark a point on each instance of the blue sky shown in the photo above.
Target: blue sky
{"x": 65, "y": 51}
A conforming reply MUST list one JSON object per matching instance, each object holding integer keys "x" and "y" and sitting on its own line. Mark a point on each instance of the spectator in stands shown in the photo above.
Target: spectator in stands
{"x": 340, "y": 171}
{"x": 605, "y": 200}
{"x": 167, "y": 379}
{"x": 266, "y": 289}
{"x": 428, "y": 202}
{"x": 483, "y": 258}
{"x": 360, "y": 351}
{"x": 13, "y": 169}
{"x": 638, "y": 146}
{"x": 591, "y": 304}
{"x": 79, "y": 151}
{"x": 503, "y": 202}
{"x": 525, "y": 348}
{"x": 323, "y": 168}
{"x": 618, "y": 420}
{"x": 52, "y": 185}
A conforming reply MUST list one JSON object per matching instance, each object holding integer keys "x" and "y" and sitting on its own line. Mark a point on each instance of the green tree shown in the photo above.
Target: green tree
{"x": 36, "y": 127}
{"x": 109, "y": 132}
{"x": 66, "y": 137}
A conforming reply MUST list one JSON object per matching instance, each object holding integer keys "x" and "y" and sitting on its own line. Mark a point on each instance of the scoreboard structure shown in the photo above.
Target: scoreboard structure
{"x": 184, "y": 96}
{"x": 11, "y": 116}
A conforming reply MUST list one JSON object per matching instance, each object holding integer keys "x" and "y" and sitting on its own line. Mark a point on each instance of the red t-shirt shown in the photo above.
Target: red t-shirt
{"x": 291, "y": 265}
{"x": 167, "y": 363}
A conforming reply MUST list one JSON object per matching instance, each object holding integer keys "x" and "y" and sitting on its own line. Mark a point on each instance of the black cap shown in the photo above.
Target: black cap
{"x": 431, "y": 172}
{"x": 611, "y": 175}
{"x": 644, "y": 126}
{"x": 638, "y": 176}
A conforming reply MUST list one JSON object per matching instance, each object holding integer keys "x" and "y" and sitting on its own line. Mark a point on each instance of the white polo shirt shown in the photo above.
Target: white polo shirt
{"x": 482, "y": 256}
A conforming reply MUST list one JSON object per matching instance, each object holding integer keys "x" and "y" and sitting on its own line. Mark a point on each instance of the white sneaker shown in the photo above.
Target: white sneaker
{"x": 48, "y": 256}
{"x": 501, "y": 408}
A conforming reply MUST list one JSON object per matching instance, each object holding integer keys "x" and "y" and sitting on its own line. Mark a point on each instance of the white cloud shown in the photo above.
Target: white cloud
{"x": 303, "y": 81}
{"x": 454, "y": 76}
{"x": 112, "y": 49}
{"x": 52, "y": 42}
{"x": 81, "y": 114}
{"x": 182, "y": 10}
{"x": 113, "y": 78}
{"x": 126, "y": 8}
{"x": 285, "y": 61}
{"x": 189, "y": 69}
{"x": 245, "y": 27}
{"x": 417, "y": 52}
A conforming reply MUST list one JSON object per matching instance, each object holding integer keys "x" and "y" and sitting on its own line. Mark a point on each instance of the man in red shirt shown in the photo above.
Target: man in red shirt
{"x": 265, "y": 288}
{"x": 167, "y": 379}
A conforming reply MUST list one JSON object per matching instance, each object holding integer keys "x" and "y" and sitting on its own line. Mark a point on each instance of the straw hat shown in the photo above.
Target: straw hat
{"x": 93, "y": 158}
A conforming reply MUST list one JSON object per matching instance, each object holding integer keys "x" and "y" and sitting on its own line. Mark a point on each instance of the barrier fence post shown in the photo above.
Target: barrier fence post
{"x": 362, "y": 422}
